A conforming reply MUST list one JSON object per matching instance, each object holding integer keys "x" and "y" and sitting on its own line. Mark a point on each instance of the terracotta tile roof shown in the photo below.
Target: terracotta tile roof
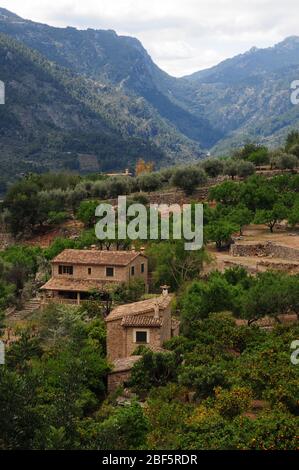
{"x": 97, "y": 257}
{"x": 124, "y": 364}
{"x": 140, "y": 308}
{"x": 76, "y": 285}
{"x": 141, "y": 320}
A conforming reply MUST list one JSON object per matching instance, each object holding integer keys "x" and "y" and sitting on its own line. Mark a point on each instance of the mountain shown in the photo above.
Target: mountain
{"x": 255, "y": 61}
{"x": 52, "y": 118}
{"x": 93, "y": 99}
{"x": 116, "y": 60}
{"x": 249, "y": 95}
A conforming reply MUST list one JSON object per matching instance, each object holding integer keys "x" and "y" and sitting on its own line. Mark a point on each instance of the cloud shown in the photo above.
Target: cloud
{"x": 182, "y": 36}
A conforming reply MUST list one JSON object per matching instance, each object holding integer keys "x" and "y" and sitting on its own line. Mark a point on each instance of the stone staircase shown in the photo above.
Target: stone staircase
{"x": 30, "y": 306}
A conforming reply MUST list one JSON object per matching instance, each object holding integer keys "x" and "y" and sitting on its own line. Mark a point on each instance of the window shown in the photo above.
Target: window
{"x": 142, "y": 268}
{"x": 141, "y": 337}
{"x": 89, "y": 271}
{"x": 133, "y": 270}
{"x": 66, "y": 270}
{"x": 109, "y": 272}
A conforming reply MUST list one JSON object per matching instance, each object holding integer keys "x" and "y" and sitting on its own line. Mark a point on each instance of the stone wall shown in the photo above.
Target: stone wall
{"x": 233, "y": 264}
{"x": 178, "y": 196}
{"x": 121, "y": 372}
{"x": 267, "y": 249}
{"x": 287, "y": 267}
{"x": 6, "y": 239}
{"x": 121, "y": 340}
{"x": 285, "y": 252}
{"x": 116, "y": 340}
{"x": 154, "y": 335}
{"x": 98, "y": 272}
{"x": 117, "y": 379}
{"x": 263, "y": 265}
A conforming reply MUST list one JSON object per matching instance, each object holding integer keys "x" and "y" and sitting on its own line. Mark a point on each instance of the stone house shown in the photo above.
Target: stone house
{"x": 148, "y": 323}
{"x": 77, "y": 273}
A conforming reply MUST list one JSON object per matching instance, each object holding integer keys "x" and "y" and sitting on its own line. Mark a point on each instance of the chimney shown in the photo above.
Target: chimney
{"x": 165, "y": 290}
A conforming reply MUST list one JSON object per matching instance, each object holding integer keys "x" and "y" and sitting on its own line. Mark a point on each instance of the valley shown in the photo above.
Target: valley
{"x": 101, "y": 95}
{"x": 149, "y": 338}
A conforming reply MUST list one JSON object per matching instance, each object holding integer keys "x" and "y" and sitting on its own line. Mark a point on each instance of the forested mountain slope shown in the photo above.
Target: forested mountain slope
{"x": 249, "y": 95}
{"x": 53, "y": 116}
{"x": 117, "y": 60}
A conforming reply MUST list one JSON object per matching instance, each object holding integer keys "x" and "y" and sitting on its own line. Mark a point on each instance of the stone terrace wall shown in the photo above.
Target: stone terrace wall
{"x": 233, "y": 264}
{"x": 177, "y": 196}
{"x": 6, "y": 239}
{"x": 285, "y": 252}
{"x": 263, "y": 265}
{"x": 265, "y": 249}
{"x": 117, "y": 379}
{"x": 291, "y": 268}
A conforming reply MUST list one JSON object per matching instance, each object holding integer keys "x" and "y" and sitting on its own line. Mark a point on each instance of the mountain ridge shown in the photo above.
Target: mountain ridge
{"x": 249, "y": 95}
{"x": 275, "y": 50}
{"x": 104, "y": 56}
{"x": 246, "y": 97}
{"x": 47, "y": 120}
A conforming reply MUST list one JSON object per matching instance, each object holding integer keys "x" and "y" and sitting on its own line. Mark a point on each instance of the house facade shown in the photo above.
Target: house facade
{"x": 148, "y": 323}
{"x": 78, "y": 273}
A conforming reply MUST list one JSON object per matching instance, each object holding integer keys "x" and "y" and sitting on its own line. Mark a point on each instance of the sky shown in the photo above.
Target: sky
{"x": 182, "y": 36}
